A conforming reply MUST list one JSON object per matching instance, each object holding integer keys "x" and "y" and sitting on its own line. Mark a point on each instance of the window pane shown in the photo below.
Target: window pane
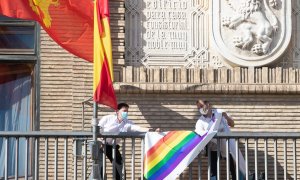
{"x": 15, "y": 110}
{"x": 16, "y": 37}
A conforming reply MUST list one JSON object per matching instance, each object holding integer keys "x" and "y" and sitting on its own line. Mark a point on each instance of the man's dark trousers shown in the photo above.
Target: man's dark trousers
{"x": 119, "y": 161}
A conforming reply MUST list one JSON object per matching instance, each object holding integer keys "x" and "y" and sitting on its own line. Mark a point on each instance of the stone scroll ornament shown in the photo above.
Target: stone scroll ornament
{"x": 251, "y": 32}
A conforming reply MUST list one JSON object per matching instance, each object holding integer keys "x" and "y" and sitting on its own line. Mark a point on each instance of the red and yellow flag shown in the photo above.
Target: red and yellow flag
{"x": 68, "y": 22}
{"x": 103, "y": 64}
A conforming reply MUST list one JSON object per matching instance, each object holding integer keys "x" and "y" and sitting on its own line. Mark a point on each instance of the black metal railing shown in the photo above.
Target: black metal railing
{"x": 65, "y": 155}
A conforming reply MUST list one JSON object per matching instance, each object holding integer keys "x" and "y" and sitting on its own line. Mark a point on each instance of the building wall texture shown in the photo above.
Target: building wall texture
{"x": 261, "y": 99}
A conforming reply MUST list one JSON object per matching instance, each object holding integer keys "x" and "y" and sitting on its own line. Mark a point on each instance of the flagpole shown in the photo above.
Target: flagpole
{"x": 95, "y": 145}
{"x": 95, "y": 124}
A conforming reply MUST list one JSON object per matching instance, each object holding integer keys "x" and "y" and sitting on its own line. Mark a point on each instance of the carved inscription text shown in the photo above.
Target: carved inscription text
{"x": 165, "y": 25}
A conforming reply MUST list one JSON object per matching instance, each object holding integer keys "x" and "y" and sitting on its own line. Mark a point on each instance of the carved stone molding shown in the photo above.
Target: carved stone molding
{"x": 251, "y": 32}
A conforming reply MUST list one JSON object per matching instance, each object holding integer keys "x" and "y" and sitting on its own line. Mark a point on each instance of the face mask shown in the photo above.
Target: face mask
{"x": 124, "y": 115}
{"x": 203, "y": 111}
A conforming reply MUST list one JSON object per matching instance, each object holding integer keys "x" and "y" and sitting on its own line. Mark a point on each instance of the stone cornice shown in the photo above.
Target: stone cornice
{"x": 220, "y": 88}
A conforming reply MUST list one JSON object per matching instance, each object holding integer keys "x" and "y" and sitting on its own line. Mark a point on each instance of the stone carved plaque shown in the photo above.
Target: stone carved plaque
{"x": 251, "y": 32}
{"x": 166, "y": 33}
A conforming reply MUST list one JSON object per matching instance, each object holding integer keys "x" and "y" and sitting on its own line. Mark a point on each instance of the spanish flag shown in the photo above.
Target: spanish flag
{"x": 103, "y": 64}
{"x": 68, "y": 22}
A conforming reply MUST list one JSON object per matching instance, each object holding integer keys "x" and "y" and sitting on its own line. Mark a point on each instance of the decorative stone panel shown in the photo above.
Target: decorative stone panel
{"x": 167, "y": 32}
{"x": 205, "y": 54}
{"x": 251, "y": 33}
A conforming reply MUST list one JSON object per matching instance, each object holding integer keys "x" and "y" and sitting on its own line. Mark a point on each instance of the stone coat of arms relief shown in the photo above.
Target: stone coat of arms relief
{"x": 251, "y": 32}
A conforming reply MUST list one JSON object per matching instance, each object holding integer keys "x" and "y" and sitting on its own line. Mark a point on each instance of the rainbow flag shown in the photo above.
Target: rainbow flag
{"x": 167, "y": 154}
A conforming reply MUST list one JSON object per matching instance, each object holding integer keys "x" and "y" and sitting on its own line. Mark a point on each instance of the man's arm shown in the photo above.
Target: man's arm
{"x": 230, "y": 121}
{"x": 102, "y": 121}
{"x": 136, "y": 128}
{"x": 113, "y": 127}
{"x": 199, "y": 129}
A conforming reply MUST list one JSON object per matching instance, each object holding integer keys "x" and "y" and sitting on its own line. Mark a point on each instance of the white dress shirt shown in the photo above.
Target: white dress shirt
{"x": 111, "y": 124}
{"x": 203, "y": 125}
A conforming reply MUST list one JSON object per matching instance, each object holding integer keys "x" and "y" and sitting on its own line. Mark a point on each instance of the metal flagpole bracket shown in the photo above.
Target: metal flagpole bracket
{"x": 94, "y": 121}
{"x": 94, "y": 148}
{"x": 94, "y": 145}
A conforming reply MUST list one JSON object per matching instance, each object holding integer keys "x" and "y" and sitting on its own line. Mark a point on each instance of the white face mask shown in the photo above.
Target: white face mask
{"x": 203, "y": 111}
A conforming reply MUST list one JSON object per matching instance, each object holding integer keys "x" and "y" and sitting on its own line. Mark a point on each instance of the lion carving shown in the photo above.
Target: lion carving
{"x": 256, "y": 24}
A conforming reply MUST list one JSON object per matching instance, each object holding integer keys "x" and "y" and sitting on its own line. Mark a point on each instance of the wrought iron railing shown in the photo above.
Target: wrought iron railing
{"x": 65, "y": 155}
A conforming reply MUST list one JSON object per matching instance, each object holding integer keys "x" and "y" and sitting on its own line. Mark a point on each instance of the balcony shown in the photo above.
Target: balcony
{"x": 66, "y": 155}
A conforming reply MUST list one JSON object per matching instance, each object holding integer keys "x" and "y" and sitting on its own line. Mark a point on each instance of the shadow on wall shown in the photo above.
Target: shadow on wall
{"x": 171, "y": 111}
{"x": 168, "y": 115}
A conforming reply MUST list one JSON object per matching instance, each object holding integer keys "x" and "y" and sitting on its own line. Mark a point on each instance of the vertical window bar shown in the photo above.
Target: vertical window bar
{"x": 26, "y": 157}
{"x": 17, "y": 159}
{"x": 275, "y": 159}
{"x": 284, "y": 157}
{"x": 36, "y": 161}
{"x": 104, "y": 160}
{"x": 6, "y": 159}
{"x": 114, "y": 158}
{"x": 66, "y": 159}
{"x": 133, "y": 158}
{"x": 227, "y": 158}
{"x": 123, "y": 159}
{"x": 218, "y": 158}
{"x": 75, "y": 159}
{"x": 142, "y": 157}
{"x": 84, "y": 159}
{"x": 208, "y": 162}
{"x": 246, "y": 158}
{"x": 266, "y": 158}
{"x": 46, "y": 158}
{"x": 255, "y": 158}
{"x": 199, "y": 167}
{"x": 190, "y": 172}
{"x": 295, "y": 158}
{"x": 237, "y": 154}
{"x": 55, "y": 158}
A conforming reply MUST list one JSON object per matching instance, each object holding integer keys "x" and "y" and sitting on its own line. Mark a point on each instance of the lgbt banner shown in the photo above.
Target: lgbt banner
{"x": 167, "y": 154}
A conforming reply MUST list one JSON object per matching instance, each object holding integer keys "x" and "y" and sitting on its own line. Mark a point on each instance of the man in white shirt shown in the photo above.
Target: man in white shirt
{"x": 117, "y": 123}
{"x": 204, "y": 123}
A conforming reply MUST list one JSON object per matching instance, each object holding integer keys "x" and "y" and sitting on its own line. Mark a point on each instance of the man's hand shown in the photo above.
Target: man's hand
{"x": 225, "y": 115}
{"x": 230, "y": 121}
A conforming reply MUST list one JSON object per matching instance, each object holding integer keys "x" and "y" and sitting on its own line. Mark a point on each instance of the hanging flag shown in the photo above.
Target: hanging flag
{"x": 68, "y": 22}
{"x": 103, "y": 64}
{"x": 167, "y": 154}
